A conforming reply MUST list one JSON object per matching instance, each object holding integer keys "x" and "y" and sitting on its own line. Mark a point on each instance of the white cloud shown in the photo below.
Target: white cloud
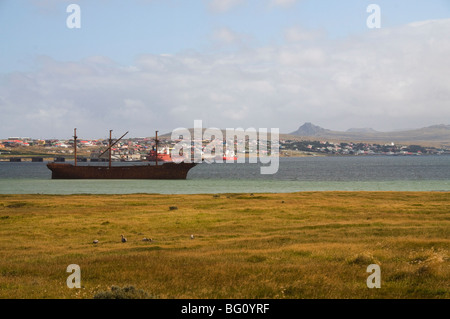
{"x": 302, "y": 57}
{"x": 283, "y": 3}
{"x": 226, "y": 36}
{"x": 226, "y": 39}
{"x": 223, "y": 5}
{"x": 385, "y": 79}
{"x": 297, "y": 34}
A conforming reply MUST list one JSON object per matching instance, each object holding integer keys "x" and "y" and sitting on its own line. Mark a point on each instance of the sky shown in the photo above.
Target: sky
{"x": 146, "y": 65}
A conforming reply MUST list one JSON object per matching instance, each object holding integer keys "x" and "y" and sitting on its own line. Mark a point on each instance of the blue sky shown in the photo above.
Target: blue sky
{"x": 122, "y": 30}
{"x": 37, "y": 45}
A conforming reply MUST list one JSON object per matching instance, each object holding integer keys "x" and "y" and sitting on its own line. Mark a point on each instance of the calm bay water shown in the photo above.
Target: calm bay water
{"x": 366, "y": 173}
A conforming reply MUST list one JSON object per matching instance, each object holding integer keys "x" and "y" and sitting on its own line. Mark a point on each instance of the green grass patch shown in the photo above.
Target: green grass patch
{"x": 317, "y": 246}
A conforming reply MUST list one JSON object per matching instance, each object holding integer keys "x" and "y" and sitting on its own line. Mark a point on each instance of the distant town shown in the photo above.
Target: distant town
{"x": 349, "y": 148}
{"x": 137, "y": 149}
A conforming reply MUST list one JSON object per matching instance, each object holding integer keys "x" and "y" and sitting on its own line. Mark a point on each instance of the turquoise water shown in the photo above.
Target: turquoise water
{"x": 375, "y": 173}
{"x": 207, "y": 186}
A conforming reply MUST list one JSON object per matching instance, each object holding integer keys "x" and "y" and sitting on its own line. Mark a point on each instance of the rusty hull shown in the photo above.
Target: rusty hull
{"x": 164, "y": 171}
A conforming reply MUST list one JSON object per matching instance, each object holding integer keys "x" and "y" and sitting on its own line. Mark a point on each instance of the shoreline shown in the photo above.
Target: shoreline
{"x": 397, "y": 192}
{"x": 50, "y": 158}
{"x": 210, "y": 187}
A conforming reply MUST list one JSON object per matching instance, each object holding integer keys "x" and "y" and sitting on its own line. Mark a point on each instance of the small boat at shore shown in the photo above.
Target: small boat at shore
{"x": 149, "y": 171}
{"x": 229, "y": 156}
{"x": 161, "y": 157}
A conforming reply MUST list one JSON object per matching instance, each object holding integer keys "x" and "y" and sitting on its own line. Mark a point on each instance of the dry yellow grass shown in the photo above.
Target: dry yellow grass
{"x": 300, "y": 245}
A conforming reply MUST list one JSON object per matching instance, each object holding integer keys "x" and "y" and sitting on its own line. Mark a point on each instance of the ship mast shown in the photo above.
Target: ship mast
{"x": 75, "y": 144}
{"x": 156, "y": 142}
{"x": 110, "y": 146}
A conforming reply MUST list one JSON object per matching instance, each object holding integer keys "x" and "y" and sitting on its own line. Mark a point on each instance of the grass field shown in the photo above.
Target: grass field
{"x": 299, "y": 245}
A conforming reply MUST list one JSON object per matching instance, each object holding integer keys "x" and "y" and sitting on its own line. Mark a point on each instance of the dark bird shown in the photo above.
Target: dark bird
{"x": 124, "y": 240}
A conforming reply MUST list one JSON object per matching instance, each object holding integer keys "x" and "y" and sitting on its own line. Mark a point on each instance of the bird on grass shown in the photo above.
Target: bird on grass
{"x": 147, "y": 239}
{"x": 95, "y": 241}
{"x": 192, "y": 236}
{"x": 124, "y": 240}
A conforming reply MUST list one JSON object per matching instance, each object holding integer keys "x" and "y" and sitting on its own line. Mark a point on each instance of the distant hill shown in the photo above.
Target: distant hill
{"x": 432, "y": 135}
{"x": 436, "y": 135}
{"x": 361, "y": 130}
{"x": 309, "y": 129}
